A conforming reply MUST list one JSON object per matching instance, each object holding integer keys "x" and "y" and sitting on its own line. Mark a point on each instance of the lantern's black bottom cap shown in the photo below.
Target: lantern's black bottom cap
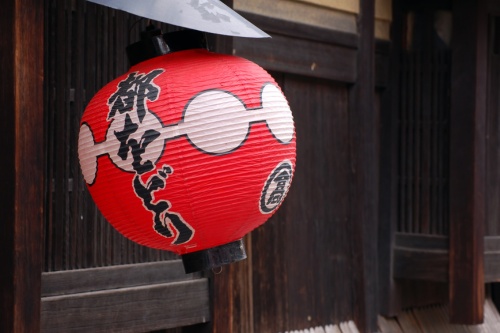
{"x": 214, "y": 257}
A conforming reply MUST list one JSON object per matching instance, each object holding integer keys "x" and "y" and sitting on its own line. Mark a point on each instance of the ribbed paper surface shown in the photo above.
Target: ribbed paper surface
{"x": 189, "y": 150}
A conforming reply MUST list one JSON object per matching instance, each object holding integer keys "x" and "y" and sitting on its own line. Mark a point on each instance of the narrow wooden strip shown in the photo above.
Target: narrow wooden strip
{"x": 93, "y": 279}
{"x": 137, "y": 309}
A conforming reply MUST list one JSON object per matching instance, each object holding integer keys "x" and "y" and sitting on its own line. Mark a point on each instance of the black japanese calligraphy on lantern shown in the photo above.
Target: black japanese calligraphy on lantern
{"x": 128, "y": 106}
{"x": 163, "y": 218}
{"x": 130, "y": 101}
{"x": 276, "y": 187}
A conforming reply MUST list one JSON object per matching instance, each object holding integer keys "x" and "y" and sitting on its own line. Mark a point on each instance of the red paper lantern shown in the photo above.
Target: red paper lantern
{"x": 188, "y": 151}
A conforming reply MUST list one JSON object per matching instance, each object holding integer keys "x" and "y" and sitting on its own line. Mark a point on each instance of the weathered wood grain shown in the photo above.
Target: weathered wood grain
{"x": 467, "y": 162}
{"x": 84, "y": 49}
{"x": 21, "y": 169}
{"x": 303, "y": 57}
{"x": 112, "y": 277}
{"x": 364, "y": 140}
{"x": 134, "y": 309}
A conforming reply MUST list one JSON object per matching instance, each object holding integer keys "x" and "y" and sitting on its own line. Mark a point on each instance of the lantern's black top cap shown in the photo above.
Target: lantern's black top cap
{"x": 214, "y": 257}
{"x": 154, "y": 43}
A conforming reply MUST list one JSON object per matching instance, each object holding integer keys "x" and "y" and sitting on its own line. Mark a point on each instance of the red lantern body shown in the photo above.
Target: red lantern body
{"x": 189, "y": 150}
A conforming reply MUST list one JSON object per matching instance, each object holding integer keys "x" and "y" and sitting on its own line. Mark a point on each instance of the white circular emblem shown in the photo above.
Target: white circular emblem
{"x": 276, "y": 187}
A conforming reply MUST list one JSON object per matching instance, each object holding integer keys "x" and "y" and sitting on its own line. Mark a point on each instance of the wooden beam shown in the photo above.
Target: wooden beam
{"x": 364, "y": 145}
{"x": 142, "y": 308}
{"x": 299, "y": 56}
{"x": 21, "y": 169}
{"x": 426, "y": 258}
{"x": 113, "y": 277}
{"x": 467, "y": 161}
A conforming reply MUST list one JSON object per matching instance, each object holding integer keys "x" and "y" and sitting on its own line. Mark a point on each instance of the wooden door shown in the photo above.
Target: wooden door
{"x": 311, "y": 264}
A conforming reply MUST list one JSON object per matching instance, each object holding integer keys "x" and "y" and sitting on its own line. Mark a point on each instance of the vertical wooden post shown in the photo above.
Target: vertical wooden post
{"x": 364, "y": 138}
{"x": 467, "y": 161}
{"x": 21, "y": 167}
{"x": 389, "y": 298}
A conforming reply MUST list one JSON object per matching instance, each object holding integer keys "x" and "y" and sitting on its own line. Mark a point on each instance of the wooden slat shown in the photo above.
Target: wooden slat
{"x": 136, "y": 309}
{"x": 436, "y": 319}
{"x": 467, "y": 158}
{"x": 21, "y": 169}
{"x": 94, "y": 279}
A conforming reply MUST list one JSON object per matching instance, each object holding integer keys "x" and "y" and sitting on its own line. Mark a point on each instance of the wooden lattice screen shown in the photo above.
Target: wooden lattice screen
{"x": 423, "y": 125}
{"x": 85, "y": 49}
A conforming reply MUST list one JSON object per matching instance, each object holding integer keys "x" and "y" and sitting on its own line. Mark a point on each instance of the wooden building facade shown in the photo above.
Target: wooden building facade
{"x": 394, "y": 201}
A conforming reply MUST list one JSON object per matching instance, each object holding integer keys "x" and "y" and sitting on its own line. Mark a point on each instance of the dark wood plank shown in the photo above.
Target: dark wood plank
{"x": 309, "y": 240}
{"x": 418, "y": 264}
{"x": 299, "y": 56}
{"x": 278, "y": 27}
{"x": 389, "y": 207}
{"x": 467, "y": 162}
{"x": 420, "y": 293}
{"x": 425, "y": 257}
{"x": 301, "y": 31}
{"x": 137, "y": 309}
{"x": 93, "y": 279}
{"x": 364, "y": 147}
{"x": 421, "y": 257}
{"x": 21, "y": 170}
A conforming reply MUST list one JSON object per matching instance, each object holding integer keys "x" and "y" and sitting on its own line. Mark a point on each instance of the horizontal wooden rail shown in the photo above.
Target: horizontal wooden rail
{"x": 425, "y": 257}
{"x": 128, "y": 298}
{"x": 322, "y": 53}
